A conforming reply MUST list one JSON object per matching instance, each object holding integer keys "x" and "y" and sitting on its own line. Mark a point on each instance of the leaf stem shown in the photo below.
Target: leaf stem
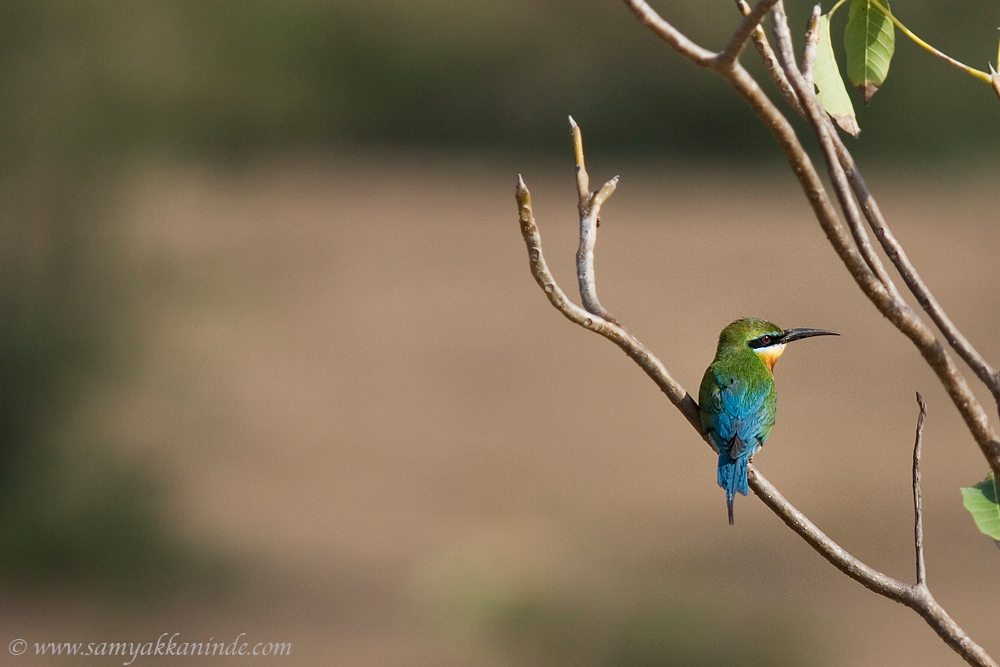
{"x": 962, "y": 66}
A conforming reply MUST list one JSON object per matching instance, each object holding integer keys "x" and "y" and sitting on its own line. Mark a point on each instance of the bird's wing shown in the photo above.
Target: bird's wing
{"x": 743, "y": 420}
{"x": 718, "y": 423}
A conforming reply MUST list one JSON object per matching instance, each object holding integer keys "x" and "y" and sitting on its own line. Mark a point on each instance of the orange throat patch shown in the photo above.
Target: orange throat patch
{"x": 770, "y": 355}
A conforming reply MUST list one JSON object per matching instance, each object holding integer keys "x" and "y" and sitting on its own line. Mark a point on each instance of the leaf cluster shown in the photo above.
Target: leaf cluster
{"x": 870, "y": 43}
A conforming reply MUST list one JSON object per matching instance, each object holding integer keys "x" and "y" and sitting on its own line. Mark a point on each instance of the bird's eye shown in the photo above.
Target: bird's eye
{"x": 766, "y": 340}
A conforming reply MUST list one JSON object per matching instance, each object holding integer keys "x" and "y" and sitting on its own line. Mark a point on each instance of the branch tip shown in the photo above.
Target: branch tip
{"x": 523, "y": 197}
{"x": 582, "y": 178}
{"x": 606, "y": 191}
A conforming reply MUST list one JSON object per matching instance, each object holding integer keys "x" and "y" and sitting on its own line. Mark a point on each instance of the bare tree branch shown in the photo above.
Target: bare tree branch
{"x": 918, "y": 522}
{"x": 893, "y": 249}
{"x": 855, "y": 251}
{"x": 824, "y": 131}
{"x": 915, "y": 596}
{"x": 890, "y": 304}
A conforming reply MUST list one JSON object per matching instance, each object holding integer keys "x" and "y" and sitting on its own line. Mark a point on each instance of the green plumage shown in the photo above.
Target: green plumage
{"x": 739, "y": 375}
{"x": 738, "y": 399}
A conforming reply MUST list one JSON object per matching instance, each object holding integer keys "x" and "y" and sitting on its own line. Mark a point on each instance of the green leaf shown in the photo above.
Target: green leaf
{"x": 830, "y": 88}
{"x": 870, "y": 40}
{"x": 981, "y": 501}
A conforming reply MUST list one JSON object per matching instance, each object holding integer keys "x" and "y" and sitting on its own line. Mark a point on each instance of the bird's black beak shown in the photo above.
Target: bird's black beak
{"x": 797, "y": 334}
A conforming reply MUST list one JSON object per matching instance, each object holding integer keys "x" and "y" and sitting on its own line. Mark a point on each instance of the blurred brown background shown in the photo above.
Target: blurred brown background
{"x": 273, "y": 362}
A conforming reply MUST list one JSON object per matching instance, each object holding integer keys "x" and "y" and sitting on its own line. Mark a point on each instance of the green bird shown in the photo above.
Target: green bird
{"x": 738, "y": 398}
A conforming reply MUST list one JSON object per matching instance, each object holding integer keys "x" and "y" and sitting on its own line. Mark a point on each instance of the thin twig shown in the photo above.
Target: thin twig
{"x": 812, "y": 44}
{"x": 589, "y": 205}
{"x": 582, "y": 178}
{"x": 671, "y": 35}
{"x": 749, "y": 25}
{"x": 767, "y": 56}
{"x": 918, "y": 521}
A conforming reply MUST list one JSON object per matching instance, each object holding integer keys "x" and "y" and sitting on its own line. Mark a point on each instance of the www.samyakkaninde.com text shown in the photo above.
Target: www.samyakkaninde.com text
{"x": 166, "y": 644}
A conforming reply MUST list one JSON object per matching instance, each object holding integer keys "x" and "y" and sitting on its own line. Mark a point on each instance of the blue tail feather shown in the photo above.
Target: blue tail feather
{"x": 732, "y": 476}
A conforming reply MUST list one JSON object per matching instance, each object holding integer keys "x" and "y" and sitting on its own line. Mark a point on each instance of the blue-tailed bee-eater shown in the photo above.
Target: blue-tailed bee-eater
{"x": 738, "y": 398}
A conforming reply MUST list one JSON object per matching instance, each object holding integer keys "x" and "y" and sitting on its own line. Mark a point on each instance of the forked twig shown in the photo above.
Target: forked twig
{"x": 589, "y": 205}
{"x": 629, "y": 344}
{"x": 744, "y": 32}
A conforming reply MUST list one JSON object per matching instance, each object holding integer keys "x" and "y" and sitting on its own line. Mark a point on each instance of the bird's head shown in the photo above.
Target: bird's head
{"x": 765, "y": 338}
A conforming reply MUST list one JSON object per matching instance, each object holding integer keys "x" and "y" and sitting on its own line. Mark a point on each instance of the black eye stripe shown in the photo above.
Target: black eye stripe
{"x": 764, "y": 341}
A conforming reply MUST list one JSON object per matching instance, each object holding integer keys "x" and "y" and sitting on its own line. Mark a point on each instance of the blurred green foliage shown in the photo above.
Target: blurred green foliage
{"x": 73, "y": 510}
{"x": 224, "y": 77}
{"x": 644, "y": 624}
{"x": 647, "y": 631}
{"x": 537, "y": 600}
